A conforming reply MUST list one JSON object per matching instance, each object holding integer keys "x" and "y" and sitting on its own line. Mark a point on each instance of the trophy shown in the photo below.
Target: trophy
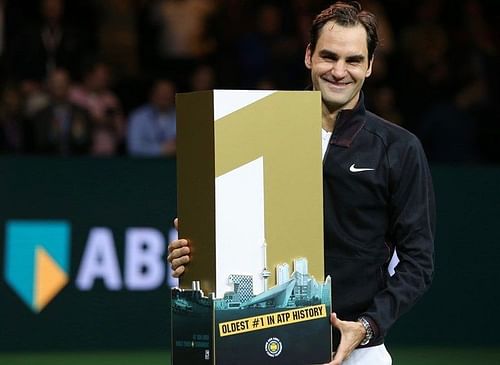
{"x": 250, "y": 202}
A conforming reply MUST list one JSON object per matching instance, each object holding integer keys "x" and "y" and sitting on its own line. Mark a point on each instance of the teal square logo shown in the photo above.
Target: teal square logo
{"x": 37, "y": 259}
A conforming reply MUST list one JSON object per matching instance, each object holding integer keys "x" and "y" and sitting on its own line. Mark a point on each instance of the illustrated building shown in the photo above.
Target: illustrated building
{"x": 243, "y": 285}
{"x": 282, "y": 273}
{"x": 290, "y": 291}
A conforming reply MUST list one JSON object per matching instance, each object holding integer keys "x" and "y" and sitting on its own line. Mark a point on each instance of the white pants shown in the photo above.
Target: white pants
{"x": 375, "y": 355}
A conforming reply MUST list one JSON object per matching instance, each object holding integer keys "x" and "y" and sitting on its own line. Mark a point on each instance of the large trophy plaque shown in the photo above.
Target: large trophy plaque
{"x": 250, "y": 201}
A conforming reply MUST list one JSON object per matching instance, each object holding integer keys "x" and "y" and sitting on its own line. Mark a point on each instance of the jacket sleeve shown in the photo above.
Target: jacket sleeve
{"x": 411, "y": 232}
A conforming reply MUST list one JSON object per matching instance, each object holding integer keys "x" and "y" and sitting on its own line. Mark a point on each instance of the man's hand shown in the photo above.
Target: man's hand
{"x": 178, "y": 254}
{"x": 351, "y": 335}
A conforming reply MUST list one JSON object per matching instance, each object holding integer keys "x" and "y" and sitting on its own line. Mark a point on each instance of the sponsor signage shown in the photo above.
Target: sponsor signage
{"x": 37, "y": 260}
{"x": 83, "y": 253}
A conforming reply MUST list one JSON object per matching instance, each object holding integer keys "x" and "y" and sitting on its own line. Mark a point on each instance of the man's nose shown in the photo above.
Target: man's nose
{"x": 338, "y": 69}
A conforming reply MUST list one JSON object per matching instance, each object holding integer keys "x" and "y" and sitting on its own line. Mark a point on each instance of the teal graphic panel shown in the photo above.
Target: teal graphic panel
{"x": 23, "y": 240}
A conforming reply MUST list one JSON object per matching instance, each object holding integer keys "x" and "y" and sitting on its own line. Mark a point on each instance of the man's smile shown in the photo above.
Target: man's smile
{"x": 334, "y": 84}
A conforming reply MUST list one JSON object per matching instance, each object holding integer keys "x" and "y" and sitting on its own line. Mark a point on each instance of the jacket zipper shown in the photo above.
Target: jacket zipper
{"x": 330, "y": 142}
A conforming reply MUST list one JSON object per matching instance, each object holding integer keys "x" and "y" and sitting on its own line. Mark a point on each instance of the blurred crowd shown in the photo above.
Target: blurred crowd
{"x": 99, "y": 77}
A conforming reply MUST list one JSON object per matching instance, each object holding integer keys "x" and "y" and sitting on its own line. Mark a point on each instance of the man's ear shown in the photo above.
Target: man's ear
{"x": 370, "y": 66}
{"x": 307, "y": 57}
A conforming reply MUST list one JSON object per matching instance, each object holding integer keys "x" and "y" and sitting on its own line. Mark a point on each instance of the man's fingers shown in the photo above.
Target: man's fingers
{"x": 334, "y": 362}
{"x": 178, "y": 258}
{"x": 340, "y": 355}
{"x": 177, "y": 253}
{"x": 178, "y": 266}
{"x": 337, "y": 356}
{"x": 181, "y": 261}
{"x": 178, "y": 272}
{"x": 337, "y": 323}
{"x": 351, "y": 334}
{"x": 174, "y": 245}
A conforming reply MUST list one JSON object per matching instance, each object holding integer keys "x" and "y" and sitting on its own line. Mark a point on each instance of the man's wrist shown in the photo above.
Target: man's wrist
{"x": 368, "y": 328}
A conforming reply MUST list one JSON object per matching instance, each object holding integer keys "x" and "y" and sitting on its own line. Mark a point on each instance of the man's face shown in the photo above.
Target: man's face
{"x": 59, "y": 84}
{"x": 163, "y": 96}
{"x": 339, "y": 65}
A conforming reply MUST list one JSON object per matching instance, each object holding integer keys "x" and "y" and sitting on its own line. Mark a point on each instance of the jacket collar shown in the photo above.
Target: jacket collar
{"x": 348, "y": 124}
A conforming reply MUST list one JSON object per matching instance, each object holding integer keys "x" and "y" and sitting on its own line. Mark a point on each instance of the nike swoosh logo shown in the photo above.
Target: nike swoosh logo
{"x": 353, "y": 168}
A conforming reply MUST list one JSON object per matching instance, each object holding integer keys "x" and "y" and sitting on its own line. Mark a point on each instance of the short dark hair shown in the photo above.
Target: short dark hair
{"x": 347, "y": 15}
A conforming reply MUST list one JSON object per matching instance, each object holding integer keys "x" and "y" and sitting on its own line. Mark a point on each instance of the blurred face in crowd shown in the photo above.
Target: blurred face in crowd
{"x": 269, "y": 21}
{"x": 52, "y": 10}
{"x": 339, "y": 65}
{"x": 163, "y": 95}
{"x": 59, "y": 83}
{"x": 10, "y": 102}
{"x": 203, "y": 78}
{"x": 99, "y": 78}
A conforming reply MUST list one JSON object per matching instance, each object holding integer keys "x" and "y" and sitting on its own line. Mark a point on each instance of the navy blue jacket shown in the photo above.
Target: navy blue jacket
{"x": 378, "y": 196}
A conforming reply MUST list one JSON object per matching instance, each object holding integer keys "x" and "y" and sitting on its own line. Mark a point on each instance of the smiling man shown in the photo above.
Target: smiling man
{"x": 378, "y": 194}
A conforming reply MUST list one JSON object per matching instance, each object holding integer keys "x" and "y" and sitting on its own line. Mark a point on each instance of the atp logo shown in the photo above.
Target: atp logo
{"x": 273, "y": 347}
{"x": 37, "y": 259}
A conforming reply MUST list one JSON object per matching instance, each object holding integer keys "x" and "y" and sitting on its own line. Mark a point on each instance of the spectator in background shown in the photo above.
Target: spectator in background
{"x": 202, "y": 78}
{"x": 267, "y": 53}
{"x": 12, "y": 123}
{"x": 182, "y": 35}
{"x": 477, "y": 76}
{"x": 379, "y": 85}
{"x": 424, "y": 67}
{"x": 384, "y": 104}
{"x": 151, "y": 127}
{"x": 35, "y": 97}
{"x": 304, "y": 12}
{"x": 118, "y": 35}
{"x": 39, "y": 48}
{"x": 62, "y": 128}
{"x": 96, "y": 97}
{"x": 104, "y": 142}
{"x": 416, "y": 60}
{"x": 450, "y": 93}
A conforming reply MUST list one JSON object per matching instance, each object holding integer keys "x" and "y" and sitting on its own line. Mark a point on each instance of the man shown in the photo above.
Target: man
{"x": 61, "y": 128}
{"x": 152, "y": 127}
{"x": 378, "y": 193}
